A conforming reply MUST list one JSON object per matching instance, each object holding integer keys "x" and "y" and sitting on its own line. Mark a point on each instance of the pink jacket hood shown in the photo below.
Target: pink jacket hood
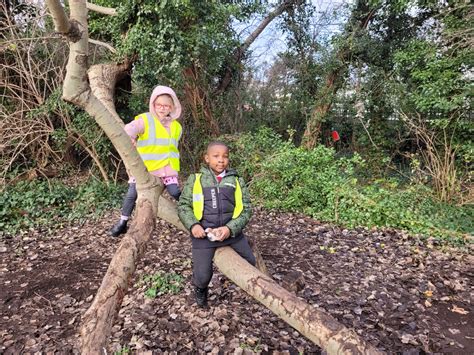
{"x": 160, "y": 90}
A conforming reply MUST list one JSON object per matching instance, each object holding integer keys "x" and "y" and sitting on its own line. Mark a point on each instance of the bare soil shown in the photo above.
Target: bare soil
{"x": 401, "y": 294}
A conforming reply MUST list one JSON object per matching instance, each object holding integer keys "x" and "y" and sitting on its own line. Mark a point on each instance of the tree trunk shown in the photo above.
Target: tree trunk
{"x": 198, "y": 100}
{"x": 99, "y": 318}
{"x": 360, "y": 18}
{"x": 324, "y": 102}
{"x": 96, "y": 99}
{"x": 321, "y": 328}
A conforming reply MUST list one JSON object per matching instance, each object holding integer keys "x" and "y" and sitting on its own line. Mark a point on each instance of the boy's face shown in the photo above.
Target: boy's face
{"x": 163, "y": 105}
{"x": 217, "y": 158}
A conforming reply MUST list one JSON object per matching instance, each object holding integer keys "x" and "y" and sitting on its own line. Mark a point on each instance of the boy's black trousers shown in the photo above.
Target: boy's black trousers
{"x": 202, "y": 261}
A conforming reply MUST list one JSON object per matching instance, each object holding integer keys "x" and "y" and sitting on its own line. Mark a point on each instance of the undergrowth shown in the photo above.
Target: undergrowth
{"x": 330, "y": 188}
{"x": 52, "y": 203}
{"x": 161, "y": 283}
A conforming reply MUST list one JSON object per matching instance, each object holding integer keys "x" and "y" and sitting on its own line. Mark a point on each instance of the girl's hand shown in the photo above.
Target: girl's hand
{"x": 222, "y": 233}
{"x": 198, "y": 232}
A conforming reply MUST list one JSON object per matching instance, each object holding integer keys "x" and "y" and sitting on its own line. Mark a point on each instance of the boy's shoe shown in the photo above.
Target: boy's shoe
{"x": 201, "y": 296}
{"x": 119, "y": 228}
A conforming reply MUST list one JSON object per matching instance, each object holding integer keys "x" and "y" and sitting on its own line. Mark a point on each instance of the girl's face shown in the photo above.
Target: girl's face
{"x": 163, "y": 105}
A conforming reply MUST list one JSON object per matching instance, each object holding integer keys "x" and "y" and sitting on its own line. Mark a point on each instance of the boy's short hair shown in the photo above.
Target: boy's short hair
{"x": 214, "y": 143}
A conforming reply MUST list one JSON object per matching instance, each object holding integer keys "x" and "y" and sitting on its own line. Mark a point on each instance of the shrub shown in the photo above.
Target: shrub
{"x": 30, "y": 204}
{"x": 319, "y": 184}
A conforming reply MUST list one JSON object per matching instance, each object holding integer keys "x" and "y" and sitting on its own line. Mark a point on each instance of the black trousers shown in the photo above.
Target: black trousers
{"x": 202, "y": 261}
{"x": 131, "y": 197}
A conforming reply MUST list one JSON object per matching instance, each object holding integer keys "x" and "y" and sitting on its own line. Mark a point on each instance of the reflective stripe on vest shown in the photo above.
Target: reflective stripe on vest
{"x": 198, "y": 198}
{"x": 156, "y": 146}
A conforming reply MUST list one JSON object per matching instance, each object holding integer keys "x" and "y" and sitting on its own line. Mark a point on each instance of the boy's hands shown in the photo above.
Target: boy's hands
{"x": 222, "y": 233}
{"x": 198, "y": 232}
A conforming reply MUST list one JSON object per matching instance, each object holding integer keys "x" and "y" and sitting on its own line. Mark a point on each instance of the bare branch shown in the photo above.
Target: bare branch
{"x": 103, "y": 44}
{"x": 61, "y": 21}
{"x": 239, "y": 52}
{"x": 101, "y": 9}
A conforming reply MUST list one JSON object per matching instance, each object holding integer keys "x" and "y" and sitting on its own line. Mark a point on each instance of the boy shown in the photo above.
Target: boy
{"x": 215, "y": 207}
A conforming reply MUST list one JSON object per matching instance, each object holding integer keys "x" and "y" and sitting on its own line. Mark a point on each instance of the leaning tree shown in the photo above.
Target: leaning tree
{"x": 92, "y": 89}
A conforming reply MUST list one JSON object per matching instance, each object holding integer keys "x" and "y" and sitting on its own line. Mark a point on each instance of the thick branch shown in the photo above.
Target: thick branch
{"x": 285, "y": 5}
{"x": 103, "y": 44}
{"x": 103, "y": 79}
{"x": 99, "y": 318}
{"x": 318, "y": 326}
{"x": 60, "y": 19}
{"x": 101, "y": 9}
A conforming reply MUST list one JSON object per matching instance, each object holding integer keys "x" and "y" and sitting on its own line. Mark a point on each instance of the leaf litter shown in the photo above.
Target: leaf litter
{"x": 399, "y": 293}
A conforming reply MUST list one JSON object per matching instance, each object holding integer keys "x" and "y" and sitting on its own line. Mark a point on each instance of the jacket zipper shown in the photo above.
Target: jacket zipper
{"x": 218, "y": 200}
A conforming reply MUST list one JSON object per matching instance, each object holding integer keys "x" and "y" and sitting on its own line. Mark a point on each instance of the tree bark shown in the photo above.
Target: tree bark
{"x": 258, "y": 256}
{"x": 99, "y": 318}
{"x": 197, "y": 97}
{"x": 102, "y": 10}
{"x": 321, "y": 328}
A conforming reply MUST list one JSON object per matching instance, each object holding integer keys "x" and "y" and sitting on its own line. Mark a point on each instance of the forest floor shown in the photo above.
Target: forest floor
{"x": 401, "y": 294}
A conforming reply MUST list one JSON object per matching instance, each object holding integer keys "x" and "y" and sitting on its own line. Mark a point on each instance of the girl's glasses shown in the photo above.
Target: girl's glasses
{"x": 163, "y": 106}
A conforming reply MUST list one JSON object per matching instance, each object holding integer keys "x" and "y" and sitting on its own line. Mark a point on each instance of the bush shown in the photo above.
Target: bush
{"x": 317, "y": 183}
{"x": 51, "y": 203}
{"x": 248, "y": 151}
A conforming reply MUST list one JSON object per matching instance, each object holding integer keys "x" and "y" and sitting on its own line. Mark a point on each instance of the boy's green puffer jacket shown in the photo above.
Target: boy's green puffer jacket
{"x": 218, "y": 206}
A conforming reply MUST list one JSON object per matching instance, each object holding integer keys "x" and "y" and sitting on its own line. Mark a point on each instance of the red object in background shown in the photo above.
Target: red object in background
{"x": 335, "y": 136}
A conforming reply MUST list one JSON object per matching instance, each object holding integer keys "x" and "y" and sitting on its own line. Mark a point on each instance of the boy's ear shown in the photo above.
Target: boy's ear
{"x": 206, "y": 158}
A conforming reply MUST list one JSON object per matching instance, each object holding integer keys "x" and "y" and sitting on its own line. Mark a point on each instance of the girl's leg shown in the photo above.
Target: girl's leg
{"x": 174, "y": 191}
{"x": 127, "y": 208}
{"x": 129, "y": 200}
{"x": 242, "y": 248}
{"x": 171, "y": 183}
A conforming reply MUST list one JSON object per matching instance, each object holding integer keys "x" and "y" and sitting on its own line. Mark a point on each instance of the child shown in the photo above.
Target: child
{"x": 158, "y": 133}
{"x": 214, "y": 202}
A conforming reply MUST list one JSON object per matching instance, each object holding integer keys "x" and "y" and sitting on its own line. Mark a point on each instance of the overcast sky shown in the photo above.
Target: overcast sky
{"x": 272, "y": 40}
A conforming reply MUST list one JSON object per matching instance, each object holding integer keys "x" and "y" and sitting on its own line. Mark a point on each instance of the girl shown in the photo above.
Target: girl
{"x": 156, "y": 135}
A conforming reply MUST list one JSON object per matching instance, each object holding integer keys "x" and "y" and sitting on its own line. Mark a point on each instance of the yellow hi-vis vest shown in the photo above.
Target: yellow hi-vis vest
{"x": 156, "y": 146}
{"x": 198, "y": 198}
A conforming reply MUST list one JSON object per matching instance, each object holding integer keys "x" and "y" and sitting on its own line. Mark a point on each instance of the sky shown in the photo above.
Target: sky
{"x": 272, "y": 40}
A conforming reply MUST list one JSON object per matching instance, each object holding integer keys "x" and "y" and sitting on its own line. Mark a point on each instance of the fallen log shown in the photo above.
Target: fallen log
{"x": 97, "y": 322}
{"x": 318, "y": 326}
